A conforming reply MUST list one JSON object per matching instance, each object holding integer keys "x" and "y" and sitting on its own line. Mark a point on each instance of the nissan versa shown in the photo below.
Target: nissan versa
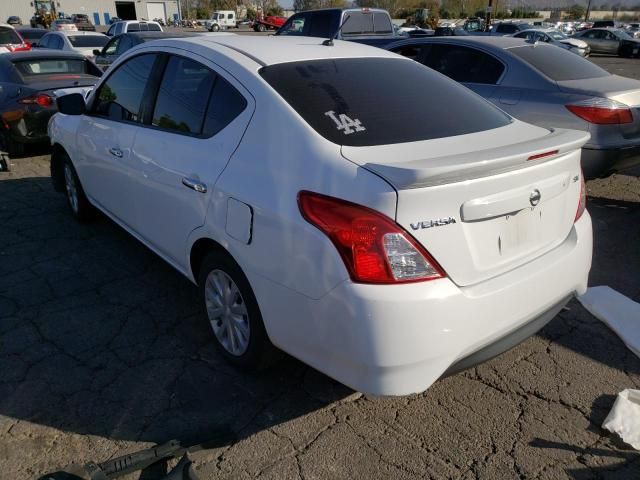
{"x": 304, "y": 189}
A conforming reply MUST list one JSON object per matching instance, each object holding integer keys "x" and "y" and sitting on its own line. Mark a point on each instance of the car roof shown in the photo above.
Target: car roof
{"x": 282, "y": 49}
{"x": 45, "y": 54}
{"x": 134, "y": 21}
{"x": 343, "y": 10}
{"x": 498, "y": 43}
{"x": 68, "y": 33}
{"x": 539, "y": 29}
{"x": 160, "y": 34}
{"x": 6, "y": 25}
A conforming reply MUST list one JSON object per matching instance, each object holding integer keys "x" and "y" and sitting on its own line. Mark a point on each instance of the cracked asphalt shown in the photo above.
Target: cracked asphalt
{"x": 104, "y": 350}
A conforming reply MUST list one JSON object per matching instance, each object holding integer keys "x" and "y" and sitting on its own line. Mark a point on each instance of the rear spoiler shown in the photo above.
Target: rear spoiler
{"x": 482, "y": 163}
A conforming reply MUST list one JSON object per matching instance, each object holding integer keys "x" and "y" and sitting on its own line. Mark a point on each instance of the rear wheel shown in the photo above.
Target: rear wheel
{"x": 233, "y": 313}
{"x": 261, "y": 27}
{"x": 81, "y": 209}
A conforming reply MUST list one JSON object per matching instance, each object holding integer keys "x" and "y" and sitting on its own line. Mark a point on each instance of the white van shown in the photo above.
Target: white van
{"x": 221, "y": 20}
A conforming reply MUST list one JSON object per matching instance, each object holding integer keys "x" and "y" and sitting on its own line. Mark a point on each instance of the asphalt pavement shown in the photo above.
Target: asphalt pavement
{"x": 105, "y": 349}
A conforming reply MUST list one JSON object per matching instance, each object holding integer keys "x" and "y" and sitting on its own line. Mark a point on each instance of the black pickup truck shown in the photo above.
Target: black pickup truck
{"x": 371, "y": 26}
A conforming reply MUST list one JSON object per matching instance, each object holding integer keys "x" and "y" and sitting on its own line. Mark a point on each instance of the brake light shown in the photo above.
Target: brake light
{"x": 542, "y": 155}
{"x": 373, "y": 247}
{"x": 601, "y": 111}
{"x": 20, "y": 47}
{"x": 41, "y": 99}
{"x": 582, "y": 203}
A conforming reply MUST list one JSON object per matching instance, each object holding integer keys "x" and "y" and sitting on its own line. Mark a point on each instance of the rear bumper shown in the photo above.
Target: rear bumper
{"x": 399, "y": 339}
{"x": 603, "y": 162}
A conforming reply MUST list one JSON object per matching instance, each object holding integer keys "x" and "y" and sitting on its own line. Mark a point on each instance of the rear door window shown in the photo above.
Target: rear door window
{"x": 556, "y": 63}
{"x": 133, "y": 27}
{"x": 125, "y": 44}
{"x": 464, "y": 64}
{"x": 183, "y": 95}
{"x": 378, "y": 101}
{"x": 120, "y": 97}
{"x": 152, "y": 27}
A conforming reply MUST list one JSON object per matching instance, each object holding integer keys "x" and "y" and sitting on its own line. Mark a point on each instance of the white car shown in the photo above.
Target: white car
{"x": 128, "y": 26}
{"x": 557, "y": 38}
{"x": 80, "y": 42}
{"x": 320, "y": 209}
{"x": 63, "y": 25}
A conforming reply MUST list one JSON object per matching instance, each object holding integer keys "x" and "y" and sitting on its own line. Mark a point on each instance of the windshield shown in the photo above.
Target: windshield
{"x": 556, "y": 35}
{"x": 556, "y": 63}
{"x": 623, "y": 34}
{"x": 82, "y": 41}
{"x": 35, "y": 34}
{"x": 380, "y": 101}
{"x": 32, "y": 68}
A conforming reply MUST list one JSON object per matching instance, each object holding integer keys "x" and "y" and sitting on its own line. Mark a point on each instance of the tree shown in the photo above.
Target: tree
{"x": 251, "y": 13}
{"x": 576, "y": 12}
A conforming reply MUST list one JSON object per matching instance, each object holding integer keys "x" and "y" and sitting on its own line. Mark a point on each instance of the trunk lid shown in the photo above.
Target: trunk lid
{"x": 476, "y": 202}
{"x": 620, "y": 89}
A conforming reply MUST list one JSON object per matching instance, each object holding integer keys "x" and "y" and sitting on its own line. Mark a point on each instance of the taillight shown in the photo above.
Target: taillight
{"x": 582, "y": 203}
{"x": 602, "y": 111}
{"x": 373, "y": 247}
{"x": 41, "y": 99}
{"x": 20, "y": 47}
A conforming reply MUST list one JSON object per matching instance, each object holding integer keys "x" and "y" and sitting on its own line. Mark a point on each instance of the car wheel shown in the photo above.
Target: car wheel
{"x": 233, "y": 313}
{"x": 215, "y": 28}
{"x": 15, "y": 149}
{"x": 261, "y": 27}
{"x": 81, "y": 209}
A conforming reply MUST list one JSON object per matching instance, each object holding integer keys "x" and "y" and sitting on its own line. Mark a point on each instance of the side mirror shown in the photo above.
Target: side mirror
{"x": 97, "y": 52}
{"x": 72, "y": 104}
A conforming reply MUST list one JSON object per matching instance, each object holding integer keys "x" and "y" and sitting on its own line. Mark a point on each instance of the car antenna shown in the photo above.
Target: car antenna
{"x": 329, "y": 42}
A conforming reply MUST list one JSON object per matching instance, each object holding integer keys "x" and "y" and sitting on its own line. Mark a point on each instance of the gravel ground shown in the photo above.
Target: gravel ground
{"x": 104, "y": 350}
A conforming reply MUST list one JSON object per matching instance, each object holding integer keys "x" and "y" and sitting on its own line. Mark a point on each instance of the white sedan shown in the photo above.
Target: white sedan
{"x": 79, "y": 42}
{"x": 325, "y": 205}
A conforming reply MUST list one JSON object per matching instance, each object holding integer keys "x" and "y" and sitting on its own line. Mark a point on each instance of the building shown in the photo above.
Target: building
{"x": 99, "y": 11}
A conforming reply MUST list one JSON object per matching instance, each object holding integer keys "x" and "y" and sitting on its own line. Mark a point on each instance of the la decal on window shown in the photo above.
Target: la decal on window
{"x": 345, "y": 123}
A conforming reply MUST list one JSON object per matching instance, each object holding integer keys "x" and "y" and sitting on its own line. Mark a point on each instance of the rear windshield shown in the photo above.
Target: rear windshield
{"x": 32, "y": 68}
{"x": 9, "y": 36}
{"x": 35, "y": 34}
{"x": 143, "y": 27}
{"x": 558, "y": 64}
{"x": 80, "y": 41}
{"x": 377, "y": 101}
{"x": 366, "y": 23}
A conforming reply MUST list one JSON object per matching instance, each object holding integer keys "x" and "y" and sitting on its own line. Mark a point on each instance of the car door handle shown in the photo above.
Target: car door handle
{"x": 194, "y": 185}
{"x": 116, "y": 152}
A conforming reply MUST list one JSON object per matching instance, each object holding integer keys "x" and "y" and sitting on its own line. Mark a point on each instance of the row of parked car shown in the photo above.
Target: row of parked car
{"x": 401, "y": 206}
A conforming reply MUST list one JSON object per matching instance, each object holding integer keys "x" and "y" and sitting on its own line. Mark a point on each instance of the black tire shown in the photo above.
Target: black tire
{"x": 261, "y": 27}
{"x": 80, "y": 208}
{"x": 260, "y": 352}
{"x": 15, "y": 149}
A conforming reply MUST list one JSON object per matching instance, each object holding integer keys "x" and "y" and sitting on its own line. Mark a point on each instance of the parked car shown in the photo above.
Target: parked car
{"x": 11, "y": 41}
{"x": 82, "y": 22}
{"x": 509, "y": 28}
{"x": 81, "y": 42}
{"x": 604, "y": 24}
{"x": 546, "y": 86}
{"x": 372, "y": 26}
{"x": 268, "y": 22}
{"x": 31, "y": 36}
{"x": 63, "y": 25}
{"x": 29, "y": 84}
{"x": 13, "y": 20}
{"x": 557, "y": 38}
{"x": 364, "y": 247}
{"x": 127, "y": 26}
{"x": 610, "y": 40}
{"x": 119, "y": 44}
{"x": 449, "y": 32}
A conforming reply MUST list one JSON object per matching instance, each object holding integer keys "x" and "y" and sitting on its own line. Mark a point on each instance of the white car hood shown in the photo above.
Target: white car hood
{"x": 575, "y": 42}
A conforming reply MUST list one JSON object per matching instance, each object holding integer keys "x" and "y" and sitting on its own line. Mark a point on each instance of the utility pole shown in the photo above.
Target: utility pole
{"x": 487, "y": 19}
{"x": 586, "y": 15}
